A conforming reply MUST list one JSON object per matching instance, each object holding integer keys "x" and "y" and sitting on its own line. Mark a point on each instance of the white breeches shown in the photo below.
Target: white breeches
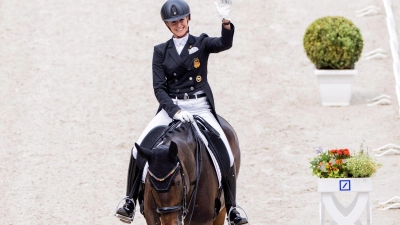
{"x": 198, "y": 107}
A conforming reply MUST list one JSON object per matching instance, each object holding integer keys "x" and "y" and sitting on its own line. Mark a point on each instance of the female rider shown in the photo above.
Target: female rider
{"x": 181, "y": 87}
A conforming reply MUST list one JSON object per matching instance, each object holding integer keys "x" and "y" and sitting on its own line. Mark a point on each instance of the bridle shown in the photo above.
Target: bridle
{"x": 184, "y": 207}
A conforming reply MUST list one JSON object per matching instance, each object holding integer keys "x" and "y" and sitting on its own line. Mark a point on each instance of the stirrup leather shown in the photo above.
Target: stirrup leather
{"x": 126, "y": 219}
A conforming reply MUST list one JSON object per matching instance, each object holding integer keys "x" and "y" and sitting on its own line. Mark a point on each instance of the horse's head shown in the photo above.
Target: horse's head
{"x": 166, "y": 182}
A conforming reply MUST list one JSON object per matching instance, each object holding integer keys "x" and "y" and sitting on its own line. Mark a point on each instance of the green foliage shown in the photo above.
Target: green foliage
{"x": 333, "y": 43}
{"x": 361, "y": 165}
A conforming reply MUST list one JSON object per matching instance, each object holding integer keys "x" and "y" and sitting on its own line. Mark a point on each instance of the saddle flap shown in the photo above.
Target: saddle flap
{"x": 216, "y": 145}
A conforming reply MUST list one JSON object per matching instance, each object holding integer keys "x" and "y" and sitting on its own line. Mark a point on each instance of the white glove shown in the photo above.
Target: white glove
{"x": 223, "y": 8}
{"x": 183, "y": 116}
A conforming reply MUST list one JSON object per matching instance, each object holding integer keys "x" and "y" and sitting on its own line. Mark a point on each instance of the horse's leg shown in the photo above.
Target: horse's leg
{"x": 220, "y": 219}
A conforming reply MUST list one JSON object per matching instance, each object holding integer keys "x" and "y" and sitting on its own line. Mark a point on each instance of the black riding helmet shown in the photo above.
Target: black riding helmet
{"x": 174, "y": 10}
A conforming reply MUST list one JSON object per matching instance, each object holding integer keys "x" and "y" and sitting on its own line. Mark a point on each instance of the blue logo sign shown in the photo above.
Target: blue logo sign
{"x": 344, "y": 185}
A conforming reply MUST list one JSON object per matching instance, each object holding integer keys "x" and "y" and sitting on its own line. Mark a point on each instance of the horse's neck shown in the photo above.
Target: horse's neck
{"x": 191, "y": 158}
{"x": 187, "y": 146}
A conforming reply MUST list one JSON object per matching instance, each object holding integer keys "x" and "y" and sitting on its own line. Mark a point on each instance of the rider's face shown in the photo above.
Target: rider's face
{"x": 179, "y": 27}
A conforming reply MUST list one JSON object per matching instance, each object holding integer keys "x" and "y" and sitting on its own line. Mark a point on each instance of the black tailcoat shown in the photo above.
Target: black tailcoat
{"x": 174, "y": 75}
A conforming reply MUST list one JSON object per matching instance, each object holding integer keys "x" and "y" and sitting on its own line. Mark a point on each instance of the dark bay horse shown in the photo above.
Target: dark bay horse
{"x": 173, "y": 195}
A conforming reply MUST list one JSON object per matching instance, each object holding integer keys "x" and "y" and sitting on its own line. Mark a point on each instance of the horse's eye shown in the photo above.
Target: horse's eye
{"x": 178, "y": 183}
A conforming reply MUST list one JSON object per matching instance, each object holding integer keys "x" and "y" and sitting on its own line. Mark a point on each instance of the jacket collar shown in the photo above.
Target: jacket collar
{"x": 185, "y": 50}
{"x": 179, "y": 59}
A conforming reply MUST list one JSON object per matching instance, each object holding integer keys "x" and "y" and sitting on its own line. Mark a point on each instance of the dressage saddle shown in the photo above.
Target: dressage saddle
{"x": 215, "y": 142}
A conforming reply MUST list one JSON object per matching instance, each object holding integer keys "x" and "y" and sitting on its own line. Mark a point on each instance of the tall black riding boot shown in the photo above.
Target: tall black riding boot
{"x": 229, "y": 185}
{"x": 127, "y": 211}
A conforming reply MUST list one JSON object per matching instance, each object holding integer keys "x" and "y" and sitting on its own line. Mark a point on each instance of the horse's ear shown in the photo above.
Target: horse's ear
{"x": 173, "y": 150}
{"x": 145, "y": 153}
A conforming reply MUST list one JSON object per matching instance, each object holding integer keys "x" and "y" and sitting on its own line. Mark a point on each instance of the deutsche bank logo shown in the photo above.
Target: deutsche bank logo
{"x": 344, "y": 185}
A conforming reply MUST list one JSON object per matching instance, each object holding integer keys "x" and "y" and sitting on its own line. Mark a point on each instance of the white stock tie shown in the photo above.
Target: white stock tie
{"x": 180, "y": 43}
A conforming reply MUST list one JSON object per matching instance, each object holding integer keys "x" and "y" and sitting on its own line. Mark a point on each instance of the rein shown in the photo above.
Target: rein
{"x": 199, "y": 162}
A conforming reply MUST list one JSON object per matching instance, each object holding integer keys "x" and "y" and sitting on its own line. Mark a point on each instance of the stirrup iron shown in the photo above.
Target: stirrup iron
{"x": 126, "y": 219}
{"x": 229, "y": 214}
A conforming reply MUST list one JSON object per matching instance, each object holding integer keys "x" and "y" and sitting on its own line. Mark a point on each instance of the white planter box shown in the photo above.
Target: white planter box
{"x": 345, "y": 215}
{"x": 335, "y": 86}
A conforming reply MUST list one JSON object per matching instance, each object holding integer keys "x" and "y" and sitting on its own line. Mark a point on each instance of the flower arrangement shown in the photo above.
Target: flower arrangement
{"x": 339, "y": 163}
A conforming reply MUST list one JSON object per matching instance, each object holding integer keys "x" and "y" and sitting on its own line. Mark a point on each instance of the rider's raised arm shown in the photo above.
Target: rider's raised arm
{"x": 219, "y": 44}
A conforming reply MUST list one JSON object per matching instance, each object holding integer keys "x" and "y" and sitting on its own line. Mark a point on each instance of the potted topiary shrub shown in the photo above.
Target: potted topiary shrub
{"x": 334, "y": 44}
